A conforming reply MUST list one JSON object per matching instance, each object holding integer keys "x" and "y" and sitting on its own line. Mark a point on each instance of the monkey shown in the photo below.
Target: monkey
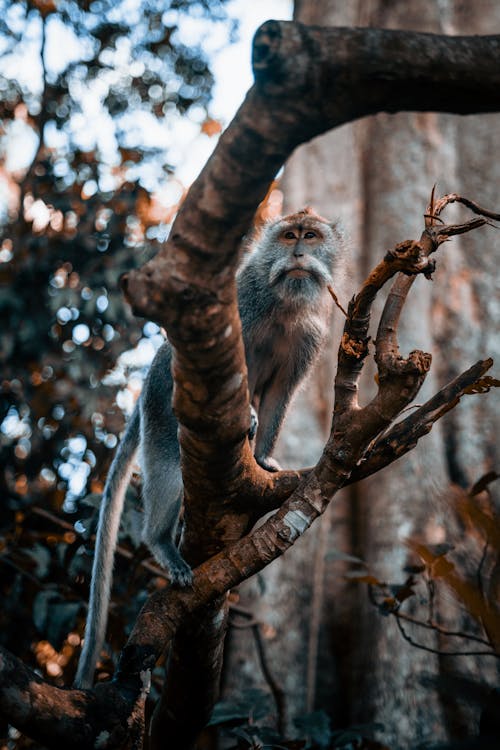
{"x": 285, "y": 309}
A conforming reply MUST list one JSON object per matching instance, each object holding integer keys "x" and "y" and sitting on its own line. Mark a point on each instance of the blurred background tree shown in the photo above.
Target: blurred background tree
{"x": 376, "y": 175}
{"x": 93, "y": 99}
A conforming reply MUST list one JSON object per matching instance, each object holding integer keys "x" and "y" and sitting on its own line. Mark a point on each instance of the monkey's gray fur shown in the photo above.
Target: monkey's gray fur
{"x": 285, "y": 310}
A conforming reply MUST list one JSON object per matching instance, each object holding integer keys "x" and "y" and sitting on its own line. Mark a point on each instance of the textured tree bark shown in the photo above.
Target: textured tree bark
{"x": 371, "y": 173}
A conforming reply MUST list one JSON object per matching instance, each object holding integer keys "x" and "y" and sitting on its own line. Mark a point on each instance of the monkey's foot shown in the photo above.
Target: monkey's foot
{"x": 268, "y": 463}
{"x": 169, "y": 557}
{"x": 180, "y": 575}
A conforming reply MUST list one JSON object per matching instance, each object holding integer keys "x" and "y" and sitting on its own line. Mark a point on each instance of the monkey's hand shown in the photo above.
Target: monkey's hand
{"x": 268, "y": 463}
{"x": 254, "y": 423}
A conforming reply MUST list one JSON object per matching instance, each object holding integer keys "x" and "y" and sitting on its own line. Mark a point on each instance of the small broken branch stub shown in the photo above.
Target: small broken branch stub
{"x": 354, "y": 348}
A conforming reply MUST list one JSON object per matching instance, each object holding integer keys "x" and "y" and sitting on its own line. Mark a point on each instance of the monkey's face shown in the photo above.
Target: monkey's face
{"x": 301, "y": 256}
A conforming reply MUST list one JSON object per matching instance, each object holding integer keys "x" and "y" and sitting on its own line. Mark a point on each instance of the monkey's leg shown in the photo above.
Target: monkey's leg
{"x": 162, "y": 478}
{"x": 271, "y": 414}
{"x": 162, "y": 493}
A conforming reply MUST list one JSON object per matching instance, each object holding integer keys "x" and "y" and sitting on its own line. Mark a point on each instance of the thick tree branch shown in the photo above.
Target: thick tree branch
{"x": 60, "y": 718}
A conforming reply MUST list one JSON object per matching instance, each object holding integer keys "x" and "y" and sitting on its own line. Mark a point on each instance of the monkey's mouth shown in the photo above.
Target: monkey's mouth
{"x": 298, "y": 273}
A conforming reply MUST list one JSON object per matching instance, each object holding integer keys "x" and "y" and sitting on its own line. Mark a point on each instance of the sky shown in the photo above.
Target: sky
{"x": 187, "y": 148}
{"x": 231, "y": 66}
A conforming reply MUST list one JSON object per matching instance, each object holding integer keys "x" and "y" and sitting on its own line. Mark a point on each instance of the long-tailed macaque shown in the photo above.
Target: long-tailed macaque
{"x": 285, "y": 310}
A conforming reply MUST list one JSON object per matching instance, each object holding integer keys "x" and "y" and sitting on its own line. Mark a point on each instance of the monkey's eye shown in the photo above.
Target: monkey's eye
{"x": 309, "y": 235}
{"x": 289, "y": 236}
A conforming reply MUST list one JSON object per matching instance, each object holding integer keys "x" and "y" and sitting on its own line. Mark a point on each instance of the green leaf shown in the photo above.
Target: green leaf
{"x": 252, "y": 705}
{"x": 53, "y": 616}
{"x": 228, "y": 711}
{"x": 315, "y": 726}
{"x": 41, "y": 556}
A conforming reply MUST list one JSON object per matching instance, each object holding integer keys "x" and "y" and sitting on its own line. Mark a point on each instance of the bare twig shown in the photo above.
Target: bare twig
{"x": 441, "y": 203}
{"x": 430, "y": 625}
{"x": 277, "y": 691}
{"x": 336, "y": 300}
{"x": 479, "y": 573}
{"x": 439, "y": 652}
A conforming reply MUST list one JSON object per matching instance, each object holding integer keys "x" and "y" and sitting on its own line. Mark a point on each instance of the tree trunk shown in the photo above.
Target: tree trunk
{"x": 326, "y": 645}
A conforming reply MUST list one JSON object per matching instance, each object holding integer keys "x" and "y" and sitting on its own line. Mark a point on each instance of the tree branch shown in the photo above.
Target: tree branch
{"x": 404, "y": 435}
{"x": 57, "y": 717}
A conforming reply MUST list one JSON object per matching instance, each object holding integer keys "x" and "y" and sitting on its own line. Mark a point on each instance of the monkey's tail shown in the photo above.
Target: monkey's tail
{"x": 106, "y": 539}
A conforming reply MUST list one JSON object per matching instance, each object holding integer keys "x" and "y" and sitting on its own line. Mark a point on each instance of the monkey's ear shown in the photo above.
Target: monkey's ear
{"x": 341, "y": 237}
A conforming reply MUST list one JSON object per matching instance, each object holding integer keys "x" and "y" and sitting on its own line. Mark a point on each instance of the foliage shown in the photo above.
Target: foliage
{"x": 471, "y": 577}
{"x": 468, "y": 569}
{"x": 247, "y": 718}
{"x": 80, "y": 203}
